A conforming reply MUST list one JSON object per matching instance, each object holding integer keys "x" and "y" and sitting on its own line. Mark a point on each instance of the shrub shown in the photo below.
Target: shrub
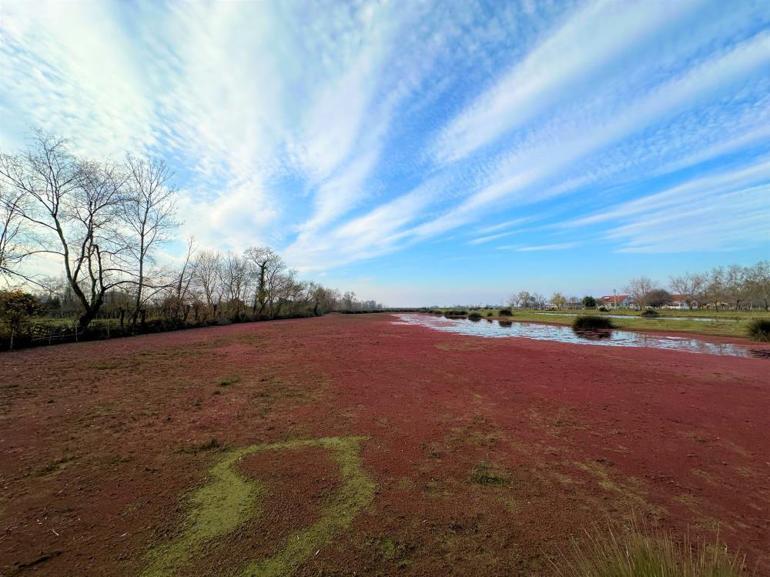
{"x": 505, "y": 313}
{"x": 474, "y": 316}
{"x": 603, "y": 309}
{"x": 636, "y": 554}
{"x": 759, "y": 330}
{"x": 490, "y": 314}
{"x": 16, "y": 306}
{"x": 456, "y": 313}
{"x": 650, "y": 313}
{"x": 589, "y": 302}
{"x": 591, "y": 323}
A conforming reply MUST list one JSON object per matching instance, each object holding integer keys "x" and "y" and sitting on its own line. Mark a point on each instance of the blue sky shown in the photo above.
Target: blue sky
{"x": 424, "y": 152}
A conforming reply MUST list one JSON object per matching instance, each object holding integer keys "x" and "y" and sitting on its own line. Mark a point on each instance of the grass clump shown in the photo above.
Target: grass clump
{"x": 759, "y": 330}
{"x": 474, "y": 316}
{"x": 487, "y": 474}
{"x": 227, "y": 381}
{"x": 591, "y": 323}
{"x": 505, "y": 313}
{"x": 636, "y": 554}
{"x": 649, "y": 313}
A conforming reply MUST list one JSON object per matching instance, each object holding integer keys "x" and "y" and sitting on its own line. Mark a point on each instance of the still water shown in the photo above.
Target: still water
{"x": 562, "y": 334}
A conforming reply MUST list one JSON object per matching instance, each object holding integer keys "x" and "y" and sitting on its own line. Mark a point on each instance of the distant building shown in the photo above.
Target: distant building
{"x": 616, "y": 301}
{"x": 679, "y": 302}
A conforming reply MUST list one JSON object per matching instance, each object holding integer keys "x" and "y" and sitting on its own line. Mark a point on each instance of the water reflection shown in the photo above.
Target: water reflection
{"x": 593, "y": 334}
{"x": 563, "y": 334}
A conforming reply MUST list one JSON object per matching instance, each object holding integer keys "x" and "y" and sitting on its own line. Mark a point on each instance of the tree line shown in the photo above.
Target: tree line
{"x": 732, "y": 287}
{"x": 105, "y": 223}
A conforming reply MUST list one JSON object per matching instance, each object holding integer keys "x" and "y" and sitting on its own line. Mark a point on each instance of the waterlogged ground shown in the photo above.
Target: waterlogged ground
{"x": 350, "y": 445}
{"x": 561, "y": 334}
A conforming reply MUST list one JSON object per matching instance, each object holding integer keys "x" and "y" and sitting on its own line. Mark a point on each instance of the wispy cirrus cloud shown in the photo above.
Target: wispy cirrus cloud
{"x": 344, "y": 132}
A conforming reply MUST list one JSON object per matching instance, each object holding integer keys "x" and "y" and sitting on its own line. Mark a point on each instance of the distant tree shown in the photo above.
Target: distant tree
{"x": 589, "y": 302}
{"x": 148, "y": 211}
{"x": 235, "y": 282}
{"x": 265, "y": 265}
{"x": 558, "y": 300}
{"x": 689, "y": 286}
{"x": 657, "y": 298}
{"x": 758, "y": 284}
{"x": 639, "y": 288}
{"x": 207, "y": 277}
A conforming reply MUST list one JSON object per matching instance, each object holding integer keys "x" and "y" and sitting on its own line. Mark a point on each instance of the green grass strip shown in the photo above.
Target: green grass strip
{"x": 228, "y": 500}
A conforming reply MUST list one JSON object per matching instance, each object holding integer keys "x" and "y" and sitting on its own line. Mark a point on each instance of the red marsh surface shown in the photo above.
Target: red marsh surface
{"x": 484, "y": 455}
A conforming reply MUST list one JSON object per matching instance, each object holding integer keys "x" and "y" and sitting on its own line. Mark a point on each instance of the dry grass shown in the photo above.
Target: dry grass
{"x": 641, "y": 553}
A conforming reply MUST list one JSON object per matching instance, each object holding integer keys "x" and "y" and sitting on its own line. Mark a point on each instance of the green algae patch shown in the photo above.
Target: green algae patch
{"x": 229, "y": 499}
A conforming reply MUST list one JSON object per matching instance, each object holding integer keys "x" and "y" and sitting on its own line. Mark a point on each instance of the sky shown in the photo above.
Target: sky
{"x": 423, "y": 152}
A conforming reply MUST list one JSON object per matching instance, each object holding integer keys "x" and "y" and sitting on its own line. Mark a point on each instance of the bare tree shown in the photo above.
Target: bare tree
{"x": 208, "y": 278}
{"x": 148, "y": 211}
{"x": 758, "y": 283}
{"x": 639, "y": 289}
{"x": 235, "y": 281}
{"x": 12, "y": 251}
{"x": 689, "y": 286}
{"x": 177, "y": 301}
{"x": 74, "y": 206}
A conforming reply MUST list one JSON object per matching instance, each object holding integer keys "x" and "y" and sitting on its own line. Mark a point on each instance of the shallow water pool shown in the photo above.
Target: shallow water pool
{"x": 563, "y": 334}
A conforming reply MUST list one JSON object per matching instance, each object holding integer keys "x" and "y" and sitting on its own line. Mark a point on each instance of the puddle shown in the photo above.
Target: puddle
{"x": 563, "y": 334}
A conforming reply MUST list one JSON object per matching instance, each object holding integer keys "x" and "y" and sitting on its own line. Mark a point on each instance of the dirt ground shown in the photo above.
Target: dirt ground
{"x": 439, "y": 454}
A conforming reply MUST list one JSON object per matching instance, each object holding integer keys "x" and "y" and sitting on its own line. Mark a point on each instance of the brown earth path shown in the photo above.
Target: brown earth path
{"x": 487, "y": 454}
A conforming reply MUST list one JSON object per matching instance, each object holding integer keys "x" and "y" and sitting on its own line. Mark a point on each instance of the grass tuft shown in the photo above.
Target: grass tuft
{"x": 227, "y": 381}
{"x": 637, "y": 554}
{"x": 759, "y": 330}
{"x": 649, "y": 313}
{"x": 486, "y": 474}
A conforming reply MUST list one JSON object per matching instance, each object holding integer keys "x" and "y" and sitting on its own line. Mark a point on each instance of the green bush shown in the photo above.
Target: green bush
{"x": 591, "y": 323}
{"x": 589, "y": 302}
{"x": 650, "y": 313}
{"x": 474, "y": 316}
{"x": 505, "y": 313}
{"x": 759, "y": 330}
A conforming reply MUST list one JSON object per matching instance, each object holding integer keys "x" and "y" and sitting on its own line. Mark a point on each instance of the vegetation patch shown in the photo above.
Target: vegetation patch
{"x": 212, "y": 444}
{"x": 487, "y": 474}
{"x": 650, "y": 314}
{"x": 229, "y": 499}
{"x": 591, "y": 323}
{"x": 759, "y": 330}
{"x": 474, "y": 316}
{"x": 505, "y": 313}
{"x": 637, "y": 554}
{"x": 227, "y": 381}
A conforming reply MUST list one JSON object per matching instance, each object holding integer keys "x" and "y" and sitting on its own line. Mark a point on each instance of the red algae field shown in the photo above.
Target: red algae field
{"x": 357, "y": 445}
